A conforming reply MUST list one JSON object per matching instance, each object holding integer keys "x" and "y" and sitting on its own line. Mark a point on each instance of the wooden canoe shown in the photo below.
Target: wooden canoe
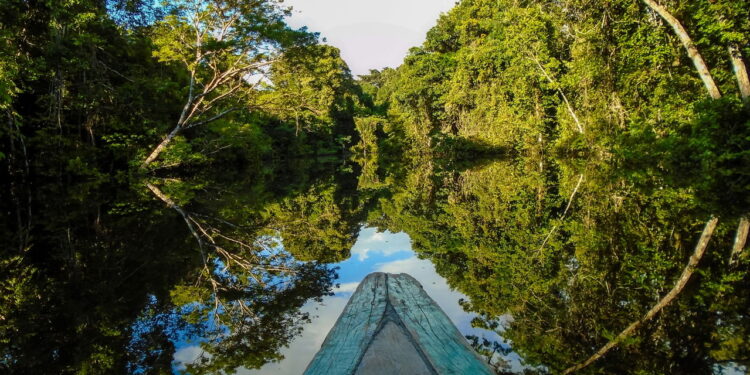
{"x": 391, "y": 326}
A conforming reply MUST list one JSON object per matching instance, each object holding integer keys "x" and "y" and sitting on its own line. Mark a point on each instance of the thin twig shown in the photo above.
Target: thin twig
{"x": 560, "y": 91}
{"x": 570, "y": 201}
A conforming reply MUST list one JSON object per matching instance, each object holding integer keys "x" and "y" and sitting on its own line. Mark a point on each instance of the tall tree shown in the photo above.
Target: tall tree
{"x": 221, "y": 44}
{"x": 313, "y": 89}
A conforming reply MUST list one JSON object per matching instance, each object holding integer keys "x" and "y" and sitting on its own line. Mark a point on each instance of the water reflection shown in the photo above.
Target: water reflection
{"x": 119, "y": 278}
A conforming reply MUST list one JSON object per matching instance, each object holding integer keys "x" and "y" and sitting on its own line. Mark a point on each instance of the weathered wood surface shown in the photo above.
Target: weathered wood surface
{"x": 391, "y": 326}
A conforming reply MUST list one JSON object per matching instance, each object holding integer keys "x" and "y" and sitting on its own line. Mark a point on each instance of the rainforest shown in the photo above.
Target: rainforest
{"x": 201, "y": 177}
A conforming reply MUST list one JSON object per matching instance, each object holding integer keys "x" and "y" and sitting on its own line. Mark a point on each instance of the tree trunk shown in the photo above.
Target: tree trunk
{"x": 740, "y": 239}
{"x": 740, "y": 71}
{"x": 700, "y": 249}
{"x": 692, "y": 50}
{"x": 155, "y": 154}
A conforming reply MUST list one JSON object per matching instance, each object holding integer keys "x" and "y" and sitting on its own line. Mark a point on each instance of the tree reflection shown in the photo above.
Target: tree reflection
{"x": 112, "y": 280}
{"x": 248, "y": 292}
{"x": 576, "y": 260}
{"x": 114, "y": 277}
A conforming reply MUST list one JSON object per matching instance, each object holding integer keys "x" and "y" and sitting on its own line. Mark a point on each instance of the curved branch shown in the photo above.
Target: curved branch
{"x": 689, "y": 45}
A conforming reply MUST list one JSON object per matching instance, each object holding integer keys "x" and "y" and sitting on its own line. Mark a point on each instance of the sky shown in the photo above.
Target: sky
{"x": 370, "y": 34}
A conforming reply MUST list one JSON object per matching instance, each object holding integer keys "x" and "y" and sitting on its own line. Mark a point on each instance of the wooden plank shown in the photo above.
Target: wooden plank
{"x": 444, "y": 346}
{"x": 381, "y": 354}
{"x": 348, "y": 339}
{"x": 391, "y": 326}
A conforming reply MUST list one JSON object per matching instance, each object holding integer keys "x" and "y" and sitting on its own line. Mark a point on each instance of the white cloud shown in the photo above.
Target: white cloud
{"x": 347, "y": 287}
{"x": 370, "y": 34}
{"x": 384, "y": 243}
{"x": 188, "y": 354}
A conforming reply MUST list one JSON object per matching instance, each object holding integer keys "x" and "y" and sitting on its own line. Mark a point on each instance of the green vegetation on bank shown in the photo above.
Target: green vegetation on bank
{"x": 575, "y": 75}
{"x": 115, "y": 84}
{"x": 97, "y": 86}
{"x": 653, "y": 100}
{"x": 105, "y": 267}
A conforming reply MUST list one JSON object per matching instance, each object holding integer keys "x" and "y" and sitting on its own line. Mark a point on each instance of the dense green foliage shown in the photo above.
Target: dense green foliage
{"x": 560, "y": 256}
{"x": 99, "y": 273}
{"x": 95, "y": 89}
{"x": 499, "y": 73}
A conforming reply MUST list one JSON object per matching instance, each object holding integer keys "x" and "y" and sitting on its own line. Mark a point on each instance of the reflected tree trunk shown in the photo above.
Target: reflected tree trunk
{"x": 700, "y": 249}
{"x": 185, "y": 216}
{"x": 740, "y": 239}
{"x": 570, "y": 201}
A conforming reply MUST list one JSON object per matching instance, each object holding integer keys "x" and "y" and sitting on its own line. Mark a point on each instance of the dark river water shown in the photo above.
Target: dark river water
{"x": 540, "y": 261}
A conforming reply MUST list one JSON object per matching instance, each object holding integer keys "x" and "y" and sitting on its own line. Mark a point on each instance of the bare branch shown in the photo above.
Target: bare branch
{"x": 560, "y": 91}
{"x": 740, "y": 239}
{"x": 211, "y": 119}
{"x": 740, "y": 72}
